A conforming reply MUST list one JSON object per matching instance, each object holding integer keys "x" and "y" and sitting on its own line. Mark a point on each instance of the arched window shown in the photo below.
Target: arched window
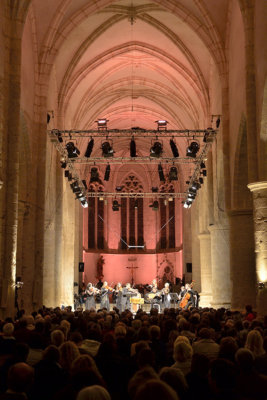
{"x": 132, "y": 224}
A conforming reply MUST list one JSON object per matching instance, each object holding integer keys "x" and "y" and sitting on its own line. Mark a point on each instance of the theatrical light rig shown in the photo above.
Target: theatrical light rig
{"x": 196, "y": 154}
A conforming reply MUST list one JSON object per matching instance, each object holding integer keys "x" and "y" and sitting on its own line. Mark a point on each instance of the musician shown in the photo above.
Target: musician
{"x": 127, "y": 292}
{"x": 166, "y": 295}
{"x": 154, "y": 286}
{"x": 191, "y": 300}
{"x": 89, "y": 297}
{"x": 104, "y": 296}
{"x": 118, "y": 296}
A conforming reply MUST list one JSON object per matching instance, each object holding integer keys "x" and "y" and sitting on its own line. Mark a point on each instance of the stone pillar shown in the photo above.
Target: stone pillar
{"x": 242, "y": 259}
{"x": 259, "y": 191}
{"x": 205, "y": 268}
{"x": 220, "y": 266}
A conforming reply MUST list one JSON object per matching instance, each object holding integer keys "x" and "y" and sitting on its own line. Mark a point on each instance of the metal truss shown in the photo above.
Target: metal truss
{"x": 128, "y": 133}
{"x": 133, "y": 160}
{"x": 137, "y": 195}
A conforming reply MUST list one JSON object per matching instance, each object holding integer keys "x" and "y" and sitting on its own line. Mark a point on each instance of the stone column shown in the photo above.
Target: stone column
{"x": 220, "y": 266}
{"x": 259, "y": 191}
{"x": 205, "y": 268}
{"x": 242, "y": 259}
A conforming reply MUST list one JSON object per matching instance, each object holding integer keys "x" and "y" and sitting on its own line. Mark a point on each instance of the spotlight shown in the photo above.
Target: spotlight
{"x": 48, "y": 117}
{"x": 187, "y": 204}
{"x": 63, "y": 164}
{"x": 89, "y": 148}
{"x": 94, "y": 175}
{"x": 173, "y": 175}
{"x": 201, "y": 181}
{"x": 161, "y": 173}
{"x": 218, "y": 121}
{"x": 80, "y": 196}
{"x": 115, "y": 205}
{"x": 84, "y": 204}
{"x": 102, "y": 124}
{"x": 107, "y": 150}
{"x": 75, "y": 187}
{"x": 154, "y": 189}
{"x": 156, "y": 149}
{"x": 107, "y": 173}
{"x": 192, "y": 190}
{"x": 154, "y": 205}
{"x": 72, "y": 150}
{"x": 119, "y": 188}
{"x": 191, "y": 196}
{"x": 202, "y": 165}
{"x": 174, "y": 148}
{"x": 204, "y": 172}
{"x": 192, "y": 149}
{"x": 207, "y": 135}
{"x": 196, "y": 185}
{"x": 162, "y": 124}
{"x": 132, "y": 148}
{"x": 66, "y": 173}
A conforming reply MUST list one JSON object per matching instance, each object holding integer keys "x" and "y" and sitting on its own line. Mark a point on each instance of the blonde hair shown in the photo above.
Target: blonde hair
{"x": 57, "y": 337}
{"x": 182, "y": 351}
{"x": 254, "y": 343}
{"x": 181, "y": 338}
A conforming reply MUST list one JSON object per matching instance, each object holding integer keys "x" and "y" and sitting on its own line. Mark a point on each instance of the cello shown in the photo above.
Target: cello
{"x": 186, "y": 296}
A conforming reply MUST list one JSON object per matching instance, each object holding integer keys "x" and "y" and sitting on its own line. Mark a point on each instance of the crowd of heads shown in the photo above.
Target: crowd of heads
{"x": 176, "y": 355}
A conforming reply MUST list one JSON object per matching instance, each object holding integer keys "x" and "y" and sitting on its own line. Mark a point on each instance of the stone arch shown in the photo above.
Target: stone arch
{"x": 241, "y": 194}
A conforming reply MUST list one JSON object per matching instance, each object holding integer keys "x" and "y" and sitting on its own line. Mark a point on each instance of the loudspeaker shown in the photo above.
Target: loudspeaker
{"x": 81, "y": 266}
{"x": 189, "y": 267}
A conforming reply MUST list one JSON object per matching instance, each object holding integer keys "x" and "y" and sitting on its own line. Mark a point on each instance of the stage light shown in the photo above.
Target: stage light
{"x": 58, "y": 135}
{"x": 63, "y": 164}
{"x": 201, "y": 180}
{"x": 173, "y": 175}
{"x": 80, "y": 195}
{"x": 107, "y": 150}
{"x": 132, "y": 148}
{"x": 196, "y": 185}
{"x": 192, "y": 149}
{"x": 115, "y": 205}
{"x": 94, "y": 175}
{"x": 161, "y": 173}
{"x": 119, "y": 188}
{"x": 136, "y": 203}
{"x": 187, "y": 204}
{"x": 84, "y": 204}
{"x": 89, "y": 148}
{"x": 156, "y": 149}
{"x": 107, "y": 173}
{"x": 72, "y": 150}
{"x": 102, "y": 124}
{"x": 174, "y": 148}
{"x": 208, "y": 135}
{"x": 204, "y": 172}
{"x": 202, "y": 165}
{"x": 154, "y": 205}
{"x": 66, "y": 173}
{"x": 162, "y": 124}
{"x": 192, "y": 190}
{"x": 218, "y": 121}
{"x": 75, "y": 187}
{"x": 154, "y": 189}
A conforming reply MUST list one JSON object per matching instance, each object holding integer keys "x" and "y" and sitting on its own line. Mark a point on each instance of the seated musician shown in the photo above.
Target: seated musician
{"x": 190, "y": 301}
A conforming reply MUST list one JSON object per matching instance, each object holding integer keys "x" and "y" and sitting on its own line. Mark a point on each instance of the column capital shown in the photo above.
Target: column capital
{"x": 257, "y": 186}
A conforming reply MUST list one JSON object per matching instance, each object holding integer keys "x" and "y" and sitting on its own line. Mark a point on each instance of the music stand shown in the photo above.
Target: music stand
{"x": 174, "y": 298}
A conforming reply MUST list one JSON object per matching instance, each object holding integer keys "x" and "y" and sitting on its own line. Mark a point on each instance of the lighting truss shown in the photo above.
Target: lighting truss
{"x": 135, "y": 195}
{"x": 119, "y": 133}
{"x": 133, "y": 160}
